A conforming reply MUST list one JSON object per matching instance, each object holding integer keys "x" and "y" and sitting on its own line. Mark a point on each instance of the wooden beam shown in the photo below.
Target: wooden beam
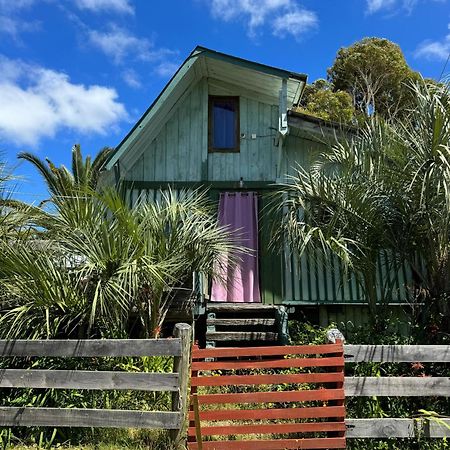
{"x": 241, "y": 336}
{"x": 397, "y": 428}
{"x": 241, "y": 322}
{"x": 277, "y": 350}
{"x": 283, "y": 363}
{"x": 81, "y": 379}
{"x": 272, "y": 444}
{"x": 91, "y": 347}
{"x": 183, "y": 332}
{"x": 397, "y": 386}
{"x": 397, "y": 353}
{"x": 380, "y": 428}
{"x": 234, "y": 307}
{"x": 61, "y": 417}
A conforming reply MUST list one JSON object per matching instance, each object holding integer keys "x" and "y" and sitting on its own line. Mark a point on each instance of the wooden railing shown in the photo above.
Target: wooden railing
{"x": 397, "y": 387}
{"x": 175, "y": 382}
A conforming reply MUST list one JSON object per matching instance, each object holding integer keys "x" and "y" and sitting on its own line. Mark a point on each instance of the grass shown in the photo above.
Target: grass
{"x": 102, "y": 439}
{"x": 83, "y": 447}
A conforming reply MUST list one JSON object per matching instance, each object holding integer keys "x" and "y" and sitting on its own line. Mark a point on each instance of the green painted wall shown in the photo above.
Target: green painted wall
{"x": 179, "y": 154}
{"x": 179, "y": 151}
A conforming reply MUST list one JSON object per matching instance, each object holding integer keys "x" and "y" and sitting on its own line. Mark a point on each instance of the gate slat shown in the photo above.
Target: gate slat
{"x": 273, "y": 397}
{"x": 263, "y": 413}
{"x": 227, "y": 352}
{"x": 272, "y": 428}
{"x": 269, "y": 364}
{"x": 240, "y": 380}
{"x": 273, "y": 444}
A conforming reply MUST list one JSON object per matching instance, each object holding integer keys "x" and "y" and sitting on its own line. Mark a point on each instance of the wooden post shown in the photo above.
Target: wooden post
{"x": 282, "y": 322}
{"x": 334, "y": 336}
{"x": 183, "y": 331}
{"x": 198, "y": 427}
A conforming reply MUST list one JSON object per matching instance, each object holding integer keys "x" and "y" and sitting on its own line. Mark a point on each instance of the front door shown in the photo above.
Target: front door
{"x": 239, "y": 282}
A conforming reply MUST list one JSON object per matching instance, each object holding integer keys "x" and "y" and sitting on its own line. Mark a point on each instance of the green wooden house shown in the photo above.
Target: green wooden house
{"x": 228, "y": 123}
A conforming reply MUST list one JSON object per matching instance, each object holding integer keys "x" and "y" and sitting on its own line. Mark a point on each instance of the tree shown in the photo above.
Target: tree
{"x": 387, "y": 189}
{"x": 320, "y": 100}
{"x": 375, "y": 73}
{"x": 103, "y": 264}
{"x": 62, "y": 182}
{"x": 339, "y": 207}
{"x": 422, "y": 160}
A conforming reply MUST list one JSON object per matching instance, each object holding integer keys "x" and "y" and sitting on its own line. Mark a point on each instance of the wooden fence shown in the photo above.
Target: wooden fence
{"x": 397, "y": 387}
{"x": 322, "y": 403}
{"x": 175, "y": 382}
{"x": 224, "y": 359}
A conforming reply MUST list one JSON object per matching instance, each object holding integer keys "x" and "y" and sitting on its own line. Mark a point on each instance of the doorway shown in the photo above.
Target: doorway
{"x": 239, "y": 283}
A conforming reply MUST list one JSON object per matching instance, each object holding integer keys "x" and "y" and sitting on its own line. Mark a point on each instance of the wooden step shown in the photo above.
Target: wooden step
{"x": 241, "y": 336}
{"x": 240, "y": 322}
{"x": 235, "y": 307}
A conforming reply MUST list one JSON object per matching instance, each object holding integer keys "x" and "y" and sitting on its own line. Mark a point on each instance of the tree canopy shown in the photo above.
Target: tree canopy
{"x": 376, "y": 75}
{"x": 320, "y": 100}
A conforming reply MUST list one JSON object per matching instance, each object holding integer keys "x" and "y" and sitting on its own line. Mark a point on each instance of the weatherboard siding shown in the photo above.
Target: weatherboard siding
{"x": 175, "y": 154}
{"x": 179, "y": 152}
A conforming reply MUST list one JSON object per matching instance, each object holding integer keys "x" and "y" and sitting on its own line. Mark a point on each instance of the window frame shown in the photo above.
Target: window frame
{"x": 235, "y": 100}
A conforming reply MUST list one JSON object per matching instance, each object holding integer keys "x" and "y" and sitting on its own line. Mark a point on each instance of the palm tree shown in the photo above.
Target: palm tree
{"x": 423, "y": 174}
{"x": 104, "y": 263}
{"x": 339, "y": 206}
{"x": 60, "y": 180}
{"x": 385, "y": 190}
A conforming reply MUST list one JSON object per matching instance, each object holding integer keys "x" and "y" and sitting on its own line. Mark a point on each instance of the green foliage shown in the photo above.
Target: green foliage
{"x": 384, "y": 190}
{"x": 305, "y": 333}
{"x": 60, "y": 181}
{"x": 375, "y": 73}
{"x": 105, "y": 267}
{"x": 320, "y": 100}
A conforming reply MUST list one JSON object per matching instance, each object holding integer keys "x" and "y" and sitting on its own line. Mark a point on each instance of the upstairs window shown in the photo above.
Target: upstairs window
{"x": 223, "y": 124}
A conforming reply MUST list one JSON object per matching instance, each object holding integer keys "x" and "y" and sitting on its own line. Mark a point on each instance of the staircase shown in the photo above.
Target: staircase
{"x": 245, "y": 324}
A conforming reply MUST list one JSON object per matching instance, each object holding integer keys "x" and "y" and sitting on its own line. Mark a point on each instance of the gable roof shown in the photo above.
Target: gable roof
{"x": 204, "y": 62}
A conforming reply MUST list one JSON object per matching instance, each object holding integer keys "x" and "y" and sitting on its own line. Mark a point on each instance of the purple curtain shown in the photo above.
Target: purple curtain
{"x": 239, "y": 211}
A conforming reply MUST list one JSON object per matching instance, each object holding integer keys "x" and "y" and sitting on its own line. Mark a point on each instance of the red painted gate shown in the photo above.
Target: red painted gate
{"x": 289, "y": 397}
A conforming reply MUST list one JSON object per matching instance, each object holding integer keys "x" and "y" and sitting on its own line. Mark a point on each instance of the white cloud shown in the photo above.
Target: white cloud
{"x": 166, "y": 69}
{"x": 374, "y": 6}
{"x": 296, "y": 23}
{"x": 10, "y": 22}
{"x": 14, "y": 26}
{"x": 438, "y": 50}
{"x": 7, "y": 6}
{"x": 119, "y": 6}
{"x": 377, "y": 5}
{"x": 38, "y": 102}
{"x": 283, "y": 16}
{"x": 132, "y": 78}
{"x": 118, "y": 43}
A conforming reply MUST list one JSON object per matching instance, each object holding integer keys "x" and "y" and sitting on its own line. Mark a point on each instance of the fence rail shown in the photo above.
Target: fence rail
{"x": 397, "y": 387}
{"x": 397, "y": 353}
{"x": 91, "y": 348}
{"x": 176, "y": 382}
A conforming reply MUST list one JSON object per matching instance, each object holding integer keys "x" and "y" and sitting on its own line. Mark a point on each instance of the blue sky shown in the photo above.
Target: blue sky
{"x": 83, "y": 71}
